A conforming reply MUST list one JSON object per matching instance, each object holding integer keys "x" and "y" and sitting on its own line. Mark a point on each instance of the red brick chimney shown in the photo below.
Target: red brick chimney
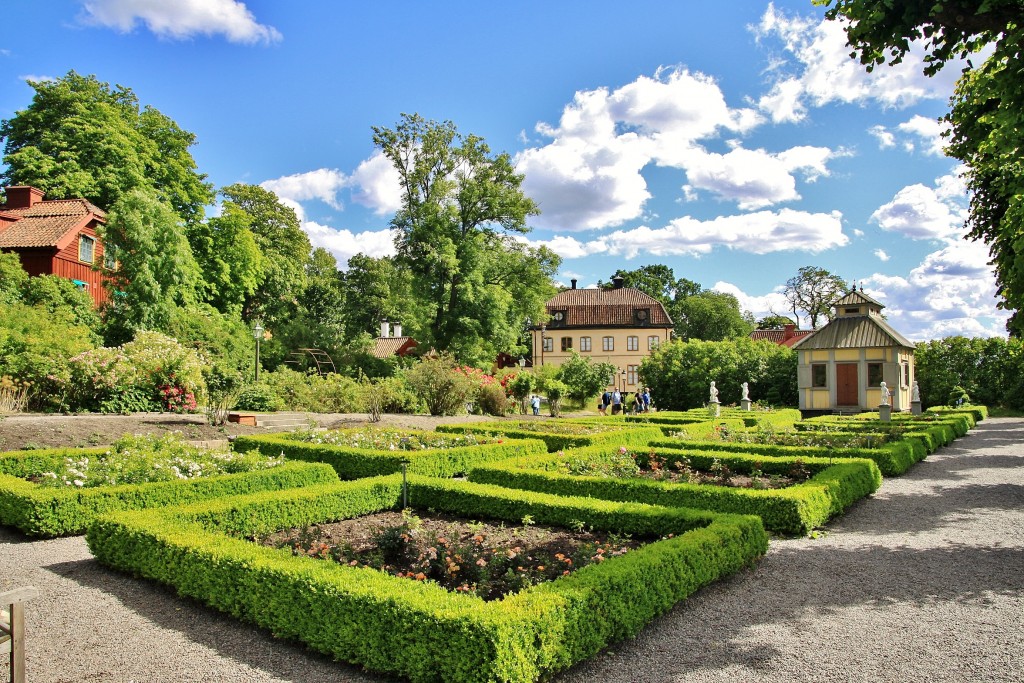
{"x": 22, "y": 197}
{"x": 788, "y": 331}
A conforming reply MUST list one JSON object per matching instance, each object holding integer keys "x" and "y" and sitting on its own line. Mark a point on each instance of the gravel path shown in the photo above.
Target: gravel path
{"x": 922, "y": 582}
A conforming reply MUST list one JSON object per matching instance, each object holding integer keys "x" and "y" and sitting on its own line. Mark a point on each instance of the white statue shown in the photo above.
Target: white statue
{"x": 714, "y": 393}
{"x": 746, "y": 392}
{"x": 885, "y": 394}
{"x": 915, "y": 393}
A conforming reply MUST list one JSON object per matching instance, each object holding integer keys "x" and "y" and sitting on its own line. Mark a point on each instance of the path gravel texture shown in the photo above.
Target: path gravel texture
{"x": 924, "y": 581}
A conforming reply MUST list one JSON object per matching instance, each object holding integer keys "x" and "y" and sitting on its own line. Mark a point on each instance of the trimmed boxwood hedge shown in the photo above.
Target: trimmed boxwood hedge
{"x": 631, "y": 436}
{"x": 44, "y": 511}
{"x": 979, "y": 413}
{"x": 893, "y": 459}
{"x": 356, "y": 463}
{"x": 417, "y": 629}
{"x": 796, "y": 509}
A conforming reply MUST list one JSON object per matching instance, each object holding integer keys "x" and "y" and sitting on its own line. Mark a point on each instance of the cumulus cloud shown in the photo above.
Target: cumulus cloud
{"x": 881, "y": 255}
{"x": 181, "y": 19}
{"x": 922, "y": 212}
{"x": 885, "y": 137}
{"x": 820, "y": 70}
{"x": 760, "y": 306}
{"x": 344, "y": 244}
{"x": 322, "y": 184}
{"x": 589, "y": 175}
{"x": 376, "y": 184}
{"x": 925, "y": 133}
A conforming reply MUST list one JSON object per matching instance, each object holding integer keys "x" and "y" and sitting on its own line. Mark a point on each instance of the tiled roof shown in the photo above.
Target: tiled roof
{"x": 779, "y": 336}
{"x": 387, "y": 347}
{"x": 606, "y": 308}
{"x": 45, "y": 223}
{"x": 855, "y": 332}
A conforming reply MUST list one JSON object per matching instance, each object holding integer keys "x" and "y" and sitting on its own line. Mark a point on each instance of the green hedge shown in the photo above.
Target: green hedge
{"x": 932, "y": 433}
{"x": 631, "y": 436}
{"x": 793, "y": 510}
{"x": 44, "y": 511}
{"x": 979, "y": 413}
{"x": 417, "y": 629}
{"x": 893, "y": 459}
{"x": 355, "y": 463}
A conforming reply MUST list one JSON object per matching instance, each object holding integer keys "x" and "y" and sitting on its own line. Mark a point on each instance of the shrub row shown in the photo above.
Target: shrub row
{"x": 43, "y": 511}
{"x": 892, "y": 459}
{"x": 417, "y": 629}
{"x": 630, "y": 436}
{"x": 355, "y": 463}
{"x": 979, "y": 413}
{"x": 796, "y": 509}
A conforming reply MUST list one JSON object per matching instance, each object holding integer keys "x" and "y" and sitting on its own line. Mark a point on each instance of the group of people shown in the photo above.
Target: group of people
{"x": 624, "y": 402}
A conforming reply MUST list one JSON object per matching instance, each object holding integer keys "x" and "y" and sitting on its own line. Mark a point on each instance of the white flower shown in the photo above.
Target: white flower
{"x": 79, "y": 483}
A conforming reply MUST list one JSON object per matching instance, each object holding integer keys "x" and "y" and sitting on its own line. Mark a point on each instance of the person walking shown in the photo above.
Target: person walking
{"x": 535, "y": 404}
{"x": 606, "y": 399}
{"x": 616, "y": 402}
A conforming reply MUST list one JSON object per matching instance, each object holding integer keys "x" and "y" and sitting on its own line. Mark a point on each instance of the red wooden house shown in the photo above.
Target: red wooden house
{"x": 55, "y": 237}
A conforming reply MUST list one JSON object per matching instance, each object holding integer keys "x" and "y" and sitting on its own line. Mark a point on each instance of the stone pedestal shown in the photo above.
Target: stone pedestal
{"x": 745, "y": 404}
{"x": 915, "y": 407}
{"x": 714, "y": 408}
{"x": 885, "y": 413}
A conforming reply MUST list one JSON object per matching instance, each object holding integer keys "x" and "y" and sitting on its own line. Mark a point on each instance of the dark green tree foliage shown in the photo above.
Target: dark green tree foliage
{"x": 59, "y": 295}
{"x": 712, "y": 316}
{"x": 318, "y": 319}
{"x": 227, "y": 254}
{"x": 156, "y": 270}
{"x": 986, "y": 117}
{"x": 459, "y": 204}
{"x": 223, "y": 340}
{"x": 376, "y": 289}
{"x": 82, "y": 138}
{"x": 285, "y": 249}
{"x": 12, "y": 277}
{"x": 774, "y": 322}
{"x": 584, "y": 378}
{"x": 680, "y": 372}
{"x": 814, "y": 291}
{"x": 989, "y": 370}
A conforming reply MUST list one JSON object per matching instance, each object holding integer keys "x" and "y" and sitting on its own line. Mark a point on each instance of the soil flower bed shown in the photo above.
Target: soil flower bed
{"x": 142, "y": 458}
{"x": 489, "y": 560}
{"x": 826, "y": 436}
{"x": 679, "y": 469}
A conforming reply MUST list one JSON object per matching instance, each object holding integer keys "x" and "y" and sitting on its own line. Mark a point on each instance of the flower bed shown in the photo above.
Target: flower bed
{"x": 66, "y": 509}
{"x": 562, "y": 434}
{"x": 417, "y": 629}
{"x": 797, "y": 509}
{"x": 369, "y": 452}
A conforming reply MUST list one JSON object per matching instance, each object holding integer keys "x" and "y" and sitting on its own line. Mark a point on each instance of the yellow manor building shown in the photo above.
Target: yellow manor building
{"x": 621, "y": 326}
{"x": 842, "y": 365}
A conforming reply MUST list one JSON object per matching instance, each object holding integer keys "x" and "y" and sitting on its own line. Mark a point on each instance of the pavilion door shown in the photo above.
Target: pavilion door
{"x": 846, "y": 384}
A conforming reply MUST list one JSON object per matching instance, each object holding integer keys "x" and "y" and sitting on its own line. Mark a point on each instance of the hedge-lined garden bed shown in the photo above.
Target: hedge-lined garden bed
{"x": 416, "y": 629}
{"x": 833, "y": 485}
{"x": 562, "y": 434}
{"x": 354, "y": 462}
{"x": 39, "y": 510}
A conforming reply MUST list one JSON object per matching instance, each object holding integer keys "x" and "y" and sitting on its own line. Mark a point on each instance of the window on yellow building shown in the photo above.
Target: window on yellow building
{"x": 549, "y": 343}
{"x": 818, "y": 375}
{"x": 607, "y": 343}
{"x": 584, "y": 343}
{"x": 566, "y": 343}
{"x": 653, "y": 342}
{"x": 631, "y": 374}
{"x": 632, "y": 343}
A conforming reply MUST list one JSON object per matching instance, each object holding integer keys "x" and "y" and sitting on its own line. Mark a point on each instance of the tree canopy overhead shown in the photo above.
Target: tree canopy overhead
{"x": 81, "y": 138}
{"x": 986, "y": 119}
{"x": 460, "y": 204}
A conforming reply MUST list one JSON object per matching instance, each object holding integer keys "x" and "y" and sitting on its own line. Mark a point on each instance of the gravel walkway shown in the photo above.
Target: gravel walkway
{"x": 922, "y": 582}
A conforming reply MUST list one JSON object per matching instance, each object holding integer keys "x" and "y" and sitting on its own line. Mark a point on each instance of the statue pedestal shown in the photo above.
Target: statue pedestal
{"x": 714, "y": 408}
{"x": 885, "y": 413}
{"x": 915, "y": 407}
{"x": 745, "y": 404}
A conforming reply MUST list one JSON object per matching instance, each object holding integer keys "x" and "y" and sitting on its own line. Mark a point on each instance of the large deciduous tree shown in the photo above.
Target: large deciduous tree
{"x": 987, "y": 115}
{"x": 459, "y": 204}
{"x": 814, "y": 291}
{"x": 81, "y": 138}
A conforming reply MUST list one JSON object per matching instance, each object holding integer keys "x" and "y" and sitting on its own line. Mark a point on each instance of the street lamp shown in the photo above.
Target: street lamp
{"x": 257, "y": 333}
{"x": 522, "y": 363}
{"x": 623, "y": 381}
{"x": 543, "y": 329}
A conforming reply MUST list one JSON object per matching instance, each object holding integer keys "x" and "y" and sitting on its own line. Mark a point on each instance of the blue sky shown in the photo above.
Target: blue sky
{"x": 733, "y": 142}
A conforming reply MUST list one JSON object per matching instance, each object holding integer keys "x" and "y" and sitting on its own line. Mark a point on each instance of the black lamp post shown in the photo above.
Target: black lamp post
{"x": 257, "y": 333}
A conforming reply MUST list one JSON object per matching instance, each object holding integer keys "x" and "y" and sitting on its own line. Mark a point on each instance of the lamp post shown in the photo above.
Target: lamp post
{"x": 543, "y": 329}
{"x": 257, "y": 334}
{"x": 522, "y": 363}
{"x": 623, "y": 381}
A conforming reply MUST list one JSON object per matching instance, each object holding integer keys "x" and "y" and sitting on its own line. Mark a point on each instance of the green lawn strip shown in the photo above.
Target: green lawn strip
{"x": 356, "y": 463}
{"x": 796, "y": 509}
{"x": 893, "y": 458}
{"x": 44, "y": 511}
{"x": 416, "y": 629}
{"x": 557, "y": 434}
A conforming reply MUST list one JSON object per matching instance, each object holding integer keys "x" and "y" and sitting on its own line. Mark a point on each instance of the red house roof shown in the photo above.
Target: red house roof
{"x": 45, "y": 223}
{"x": 787, "y": 336}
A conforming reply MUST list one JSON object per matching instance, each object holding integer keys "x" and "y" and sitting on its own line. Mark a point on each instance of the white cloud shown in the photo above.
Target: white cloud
{"x": 37, "y": 79}
{"x": 921, "y": 212}
{"x": 825, "y": 73}
{"x": 377, "y": 185}
{"x": 929, "y": 131}
{"x": 344, "y": 244}
{"x": 569, "y": 247}
{"x": 881, "y": 255}
{"x": 590, "y": 175}
{"x": 885, "y": 138}
{"x": 760, "y": 306}
{"x": 763, "y": 232}
{"x": 322, "y": 184}
{"x": 181, "y": 19}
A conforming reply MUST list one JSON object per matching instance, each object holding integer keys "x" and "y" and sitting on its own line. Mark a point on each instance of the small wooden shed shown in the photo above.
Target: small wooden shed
{"x": 842, "y": 365}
